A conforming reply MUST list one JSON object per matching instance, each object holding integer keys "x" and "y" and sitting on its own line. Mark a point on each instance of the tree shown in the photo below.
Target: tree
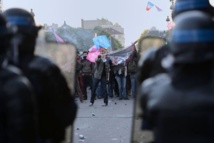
{"x": 114, "y": 42}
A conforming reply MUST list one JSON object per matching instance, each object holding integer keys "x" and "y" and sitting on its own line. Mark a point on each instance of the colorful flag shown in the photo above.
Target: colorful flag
{"x": 170, "y": 25}
{"x": 101, "y": 42}
{"x": 158, "y": 8}
{"x": 149, "y": 6}
{"x": 93, "y": 54}
{"x": 58, "y": 39}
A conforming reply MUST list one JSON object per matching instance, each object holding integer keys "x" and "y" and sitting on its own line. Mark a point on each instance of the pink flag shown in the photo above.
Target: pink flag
{"x": 158, "y": 8}
{"x": 93, "y": 49}
{"x": 93, "y": 54}
{"x": 58, "y": 39}
{"x": 170, "y": 25}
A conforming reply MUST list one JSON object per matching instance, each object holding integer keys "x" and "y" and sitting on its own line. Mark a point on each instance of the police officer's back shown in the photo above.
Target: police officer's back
{"x": 57, "y": 108}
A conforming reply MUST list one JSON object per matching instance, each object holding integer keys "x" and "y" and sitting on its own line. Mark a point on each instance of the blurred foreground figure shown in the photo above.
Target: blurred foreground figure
{"x": 17, "y": 103}
{"x": 56, "y": 105}
{"x": 179, "y": 105}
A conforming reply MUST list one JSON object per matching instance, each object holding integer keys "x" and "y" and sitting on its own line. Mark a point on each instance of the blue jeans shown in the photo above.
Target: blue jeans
{"x": 121, "y": 81}
{"x": 133, "y": 84}
{"x": 98, "y": 91}
{"x": 103, "y": 89}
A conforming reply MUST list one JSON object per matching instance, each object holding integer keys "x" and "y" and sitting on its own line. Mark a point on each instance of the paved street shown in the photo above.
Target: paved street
{"x": 104, "y": 124}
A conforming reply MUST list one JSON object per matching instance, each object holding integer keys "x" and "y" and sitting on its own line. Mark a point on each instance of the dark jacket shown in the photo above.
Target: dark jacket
{"x": 179, "y": 106}
{"x": 87, "y": 67}
{"x": 120, "y": 70}
{"x": 18, "y": 114}
{"x": 99, "y": 69}
{"x": 132, "y": 65}
{"x": 57, "y": 108}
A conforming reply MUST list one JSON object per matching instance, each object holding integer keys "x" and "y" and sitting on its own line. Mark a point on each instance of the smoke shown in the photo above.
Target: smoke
{"x": 81, "y": 38}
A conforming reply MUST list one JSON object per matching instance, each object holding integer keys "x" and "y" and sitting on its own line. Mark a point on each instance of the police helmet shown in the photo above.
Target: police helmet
{"x": 5, "y": 33}
{"x": 187, "y": 5}
{"x": 23, "y": 20}
{"x": 192, "y": 39}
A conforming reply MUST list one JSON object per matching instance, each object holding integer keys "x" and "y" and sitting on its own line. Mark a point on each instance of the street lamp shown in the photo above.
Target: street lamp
{"x": 172, "y": 6}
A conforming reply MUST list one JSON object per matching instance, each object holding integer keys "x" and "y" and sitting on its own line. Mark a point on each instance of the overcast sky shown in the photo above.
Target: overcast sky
{"x": 130, "y": 14}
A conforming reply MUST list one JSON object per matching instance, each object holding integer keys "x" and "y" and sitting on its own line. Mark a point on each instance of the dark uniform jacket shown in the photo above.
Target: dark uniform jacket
{"x": 18, "y": 114}
{"x": 57, "y": 108}
{"x": 180, "y": 109}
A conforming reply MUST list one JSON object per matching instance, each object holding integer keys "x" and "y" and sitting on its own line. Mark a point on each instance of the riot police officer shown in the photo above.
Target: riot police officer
{"x": 17, "y": 102}
{"x": 56, "y": 105}
{"x": 178, "y": 105}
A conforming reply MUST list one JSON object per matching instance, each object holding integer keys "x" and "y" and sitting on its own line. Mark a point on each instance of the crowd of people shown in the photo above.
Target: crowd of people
{"x": 105, "y": 78}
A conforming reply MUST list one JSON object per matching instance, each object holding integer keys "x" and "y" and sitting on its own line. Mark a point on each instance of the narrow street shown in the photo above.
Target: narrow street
{"x": 104, "y": 124}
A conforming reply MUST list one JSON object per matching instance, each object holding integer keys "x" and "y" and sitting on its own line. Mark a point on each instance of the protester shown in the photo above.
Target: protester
{"x": 132, "y": 71}
{"x": 111, "y": 78}
{"x": 120, "y": 74}
{"x": 56, "y": 105}
{"x": 18, "y": 116}
{"x": 101, "y": 74}
{"x": 77, "y": 83}
{"x": 87, "y": 69}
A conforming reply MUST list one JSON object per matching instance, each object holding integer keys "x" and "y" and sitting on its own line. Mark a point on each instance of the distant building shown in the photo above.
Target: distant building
{"x": 51, "y": 27}
{"x": 1, "y": 6}
{"x": 65, "y": 25}
{"x": 115, "y": 30}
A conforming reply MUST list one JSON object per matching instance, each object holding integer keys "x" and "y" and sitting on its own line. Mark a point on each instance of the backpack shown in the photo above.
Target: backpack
{"x": 132, "y": 66}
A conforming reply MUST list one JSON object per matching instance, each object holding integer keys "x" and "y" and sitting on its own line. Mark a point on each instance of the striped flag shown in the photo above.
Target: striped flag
{"x": 149, "y": 6}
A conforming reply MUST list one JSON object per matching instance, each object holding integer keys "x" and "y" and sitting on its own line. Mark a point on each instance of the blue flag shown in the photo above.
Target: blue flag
{"x": 101, "y": 42}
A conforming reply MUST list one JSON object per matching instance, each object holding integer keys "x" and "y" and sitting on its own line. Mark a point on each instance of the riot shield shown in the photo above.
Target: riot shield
{"x": 139, "y": 136}
{"x": 64, "y": 56}
{"x": 149, "y": 42}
